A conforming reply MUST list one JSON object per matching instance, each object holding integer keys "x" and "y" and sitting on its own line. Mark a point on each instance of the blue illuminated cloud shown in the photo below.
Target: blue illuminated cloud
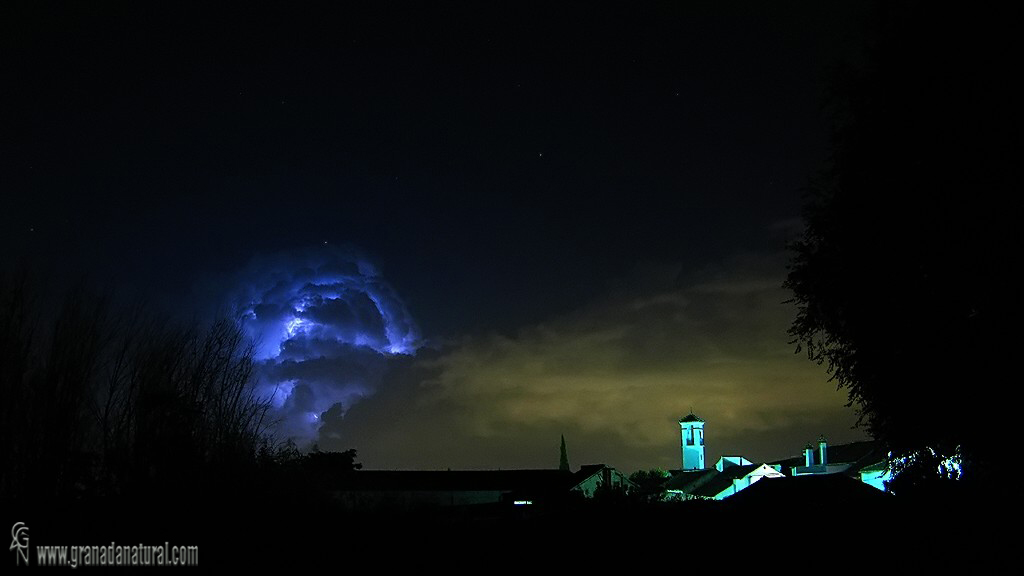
{"x": 326, "y": 326}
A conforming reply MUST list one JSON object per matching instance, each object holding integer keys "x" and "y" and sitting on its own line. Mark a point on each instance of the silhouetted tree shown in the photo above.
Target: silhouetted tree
{"x": 650, "y": 484}
{"x": 903, "y": 276}
{"x": 180, "y": 404}
{"x": 102, "y": 402}
{"x": 50, "y": 359}
{"x": 563, "y": 460}
{"x": 330, "y": 462}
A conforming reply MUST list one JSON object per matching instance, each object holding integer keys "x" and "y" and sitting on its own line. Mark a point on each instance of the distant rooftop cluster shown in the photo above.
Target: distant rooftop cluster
{"x": 849, "y": 468}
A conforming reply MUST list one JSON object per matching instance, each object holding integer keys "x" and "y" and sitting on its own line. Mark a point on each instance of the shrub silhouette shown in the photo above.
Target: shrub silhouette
{"x": 104, "y": 402}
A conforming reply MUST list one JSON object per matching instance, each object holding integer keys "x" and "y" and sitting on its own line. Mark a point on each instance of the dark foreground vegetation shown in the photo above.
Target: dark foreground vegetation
{"x": 286, "y": 530}
{"x": 904, "y": 276}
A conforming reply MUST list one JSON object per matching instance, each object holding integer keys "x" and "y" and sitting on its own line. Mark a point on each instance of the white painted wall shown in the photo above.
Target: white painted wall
{"x": 762, "y": 471}
{"x": 876, "y": 478}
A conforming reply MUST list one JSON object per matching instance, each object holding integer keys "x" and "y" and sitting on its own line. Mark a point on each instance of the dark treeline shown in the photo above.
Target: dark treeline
{"x": 103, "y": 401}
{"x": 904, "y": 277}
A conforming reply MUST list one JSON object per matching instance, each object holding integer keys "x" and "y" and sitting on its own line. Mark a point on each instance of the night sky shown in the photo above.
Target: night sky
{"x": 458, "y": 231}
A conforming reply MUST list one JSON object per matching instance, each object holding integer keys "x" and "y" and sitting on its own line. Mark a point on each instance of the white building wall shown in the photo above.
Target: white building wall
{"x": 763, "y": 471}
{"x": 876, "y": 478}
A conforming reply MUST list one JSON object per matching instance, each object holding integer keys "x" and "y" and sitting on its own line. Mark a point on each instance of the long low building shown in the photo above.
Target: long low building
{"x": 409, "y": 489}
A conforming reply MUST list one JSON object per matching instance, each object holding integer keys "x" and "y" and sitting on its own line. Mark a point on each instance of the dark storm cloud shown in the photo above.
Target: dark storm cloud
{"x": 614, "y": 376}
{"x": 326, "y": 326}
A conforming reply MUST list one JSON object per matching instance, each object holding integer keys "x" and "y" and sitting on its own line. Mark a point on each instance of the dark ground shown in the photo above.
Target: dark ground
{"x": 885, "y": 534}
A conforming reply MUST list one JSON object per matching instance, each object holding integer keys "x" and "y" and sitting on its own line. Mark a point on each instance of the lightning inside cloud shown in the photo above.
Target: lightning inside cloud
{"x": 326, "y": 326}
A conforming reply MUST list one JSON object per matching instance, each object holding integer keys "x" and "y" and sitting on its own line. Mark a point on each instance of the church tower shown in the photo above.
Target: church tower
{"x": 692, "y": 442}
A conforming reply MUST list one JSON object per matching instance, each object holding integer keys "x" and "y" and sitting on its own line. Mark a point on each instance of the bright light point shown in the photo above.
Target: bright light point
{"x": 294, "y": 326}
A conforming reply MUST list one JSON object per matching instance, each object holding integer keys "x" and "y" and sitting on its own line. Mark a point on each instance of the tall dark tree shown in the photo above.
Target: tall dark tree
{"x": 903, "y": 276}
{"x": 563, "y": 462}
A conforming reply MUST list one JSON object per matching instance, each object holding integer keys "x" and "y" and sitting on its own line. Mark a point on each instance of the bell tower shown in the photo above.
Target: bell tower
{"x": 692, "y": 441}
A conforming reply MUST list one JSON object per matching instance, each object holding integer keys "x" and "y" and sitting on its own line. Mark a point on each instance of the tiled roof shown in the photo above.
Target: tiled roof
{"x": 857, "y": 454}
{"x": 876, "y": 467}
{"x": 691, "y": 417}
{"x": 724, "y": 480}
{"x": 689, "y": 480}
{"x": 800, "y": 492}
